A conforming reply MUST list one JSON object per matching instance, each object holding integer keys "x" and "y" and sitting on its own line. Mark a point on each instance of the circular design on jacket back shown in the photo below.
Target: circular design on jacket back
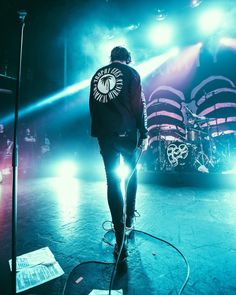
{"x": 107, "y": 84}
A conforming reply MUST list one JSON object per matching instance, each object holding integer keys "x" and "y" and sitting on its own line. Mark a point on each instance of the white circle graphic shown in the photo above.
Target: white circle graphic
{"x": 106, "y": 83}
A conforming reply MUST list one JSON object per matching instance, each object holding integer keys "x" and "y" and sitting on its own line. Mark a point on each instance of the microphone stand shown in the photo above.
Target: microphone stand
{"x": 21, "y": 14}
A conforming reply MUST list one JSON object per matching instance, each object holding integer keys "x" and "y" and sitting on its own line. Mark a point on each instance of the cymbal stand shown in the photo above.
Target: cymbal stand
{"x": 211, "y": 145}
{"x": 201, "y": 158}
{"x": 159, "y": 164}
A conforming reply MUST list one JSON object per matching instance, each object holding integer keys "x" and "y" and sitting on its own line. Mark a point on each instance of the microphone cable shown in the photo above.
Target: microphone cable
{"x": 163, "y": 241}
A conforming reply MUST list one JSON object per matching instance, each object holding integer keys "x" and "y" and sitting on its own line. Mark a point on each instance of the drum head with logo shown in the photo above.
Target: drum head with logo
{"x": 178, "y": 154}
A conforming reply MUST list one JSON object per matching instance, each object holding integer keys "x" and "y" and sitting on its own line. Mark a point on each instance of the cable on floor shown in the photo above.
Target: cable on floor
{"x": 110, "y": 263}
{"x": 168, "y": 243}
{"x": 123, "y": 241}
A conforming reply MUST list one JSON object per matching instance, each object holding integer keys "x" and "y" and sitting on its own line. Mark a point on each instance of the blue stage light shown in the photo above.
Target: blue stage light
{"x": 66, "y": 169}
{"x": 161, "y": 34}
{"x": 122, "y": 171}
{"x": 211, "y": 21}
{"x": 173, "y": 52}
{"x": 154, "y": 63}
{"x": 195, "y": 3}
{"x": 48, "y": 100}
{"x": 230, "y": 42}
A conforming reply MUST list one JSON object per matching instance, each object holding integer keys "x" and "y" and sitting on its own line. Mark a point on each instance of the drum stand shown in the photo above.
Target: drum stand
{"x": 204, "y": 160}
{"x": 201, "y": 159}
{"x": 211, "y": 146}
{"x": 159, "y": 163}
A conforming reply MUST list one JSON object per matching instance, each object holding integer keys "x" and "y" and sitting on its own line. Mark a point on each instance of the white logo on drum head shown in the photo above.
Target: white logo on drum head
{"x": 176, "y": 153}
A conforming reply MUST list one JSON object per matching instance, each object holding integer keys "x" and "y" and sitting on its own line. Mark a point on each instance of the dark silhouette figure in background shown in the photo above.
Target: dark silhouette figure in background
{"x": 5, "y": 152}
{"x": 28, "y": 150}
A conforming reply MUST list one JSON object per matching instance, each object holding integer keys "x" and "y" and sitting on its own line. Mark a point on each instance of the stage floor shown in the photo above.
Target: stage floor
{"x": 67, "y": 215}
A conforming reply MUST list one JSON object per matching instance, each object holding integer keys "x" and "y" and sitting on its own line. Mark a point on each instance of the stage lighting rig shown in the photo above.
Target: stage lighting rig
{"x": 195, "y": 3}
{"x": 161, "y": 34}
{"x": 161, "y": 14}
{"x": 132, "y": 27}
{"x": 211, "y": 21}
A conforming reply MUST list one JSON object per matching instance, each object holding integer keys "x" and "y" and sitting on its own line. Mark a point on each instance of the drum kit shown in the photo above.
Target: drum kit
{"x": 197, "y": 150}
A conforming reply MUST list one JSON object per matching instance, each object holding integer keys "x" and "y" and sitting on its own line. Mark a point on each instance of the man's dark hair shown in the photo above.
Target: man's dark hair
{"x": 121, "y": 54}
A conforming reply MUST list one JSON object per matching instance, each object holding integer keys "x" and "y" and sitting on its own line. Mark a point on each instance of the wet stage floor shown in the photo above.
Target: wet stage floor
{"x": 67, "y": 215}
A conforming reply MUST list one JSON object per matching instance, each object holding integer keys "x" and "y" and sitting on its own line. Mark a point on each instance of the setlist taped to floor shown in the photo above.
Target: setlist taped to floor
{"x": 35, "y": 268}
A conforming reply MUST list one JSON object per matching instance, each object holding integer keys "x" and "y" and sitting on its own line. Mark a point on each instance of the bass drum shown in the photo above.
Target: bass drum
{"x": 178, "y": 155}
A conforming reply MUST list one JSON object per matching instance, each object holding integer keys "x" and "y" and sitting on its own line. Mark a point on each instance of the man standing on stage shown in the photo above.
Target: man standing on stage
{"x": 119, "y": 121}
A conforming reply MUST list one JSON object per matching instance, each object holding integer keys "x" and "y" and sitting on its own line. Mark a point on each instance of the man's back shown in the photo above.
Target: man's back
{"x": 114, "y": 96}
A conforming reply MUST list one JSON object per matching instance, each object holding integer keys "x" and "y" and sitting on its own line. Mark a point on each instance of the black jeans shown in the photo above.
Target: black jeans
{"x": 111, "y": 148}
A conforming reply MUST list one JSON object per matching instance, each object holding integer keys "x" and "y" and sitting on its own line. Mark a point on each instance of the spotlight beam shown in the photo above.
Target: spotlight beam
{"x": 161, "y": 35}
{"x": 48, "y": 100}
{"x": 211, "y": 21}
{"x": 229, "y": 42}
{"x": 144, "y": 69}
